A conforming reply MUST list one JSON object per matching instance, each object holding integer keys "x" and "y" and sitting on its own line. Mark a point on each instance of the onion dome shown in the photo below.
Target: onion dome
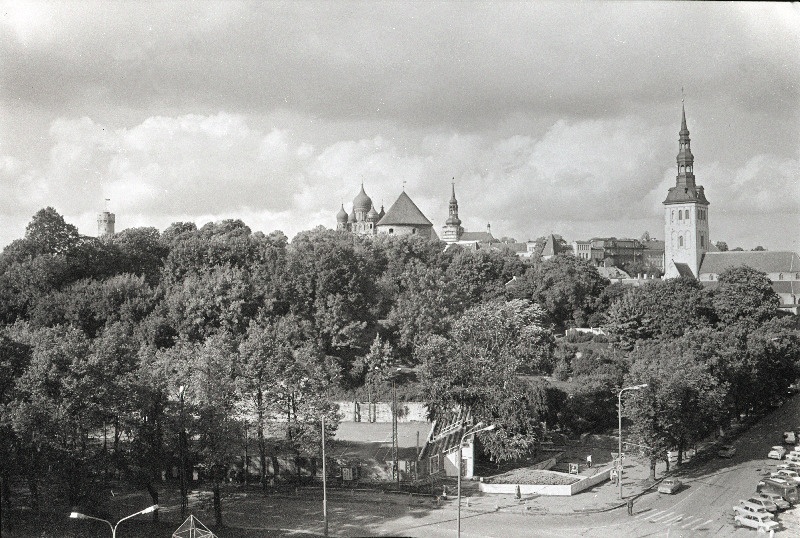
{"x": 373, "y": 215}
{"x": 341, "y": 216}
{"x": 362, "y": 202}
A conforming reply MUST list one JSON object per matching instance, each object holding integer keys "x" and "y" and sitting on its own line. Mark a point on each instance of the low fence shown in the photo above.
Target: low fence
{"x": 543, "y": 489}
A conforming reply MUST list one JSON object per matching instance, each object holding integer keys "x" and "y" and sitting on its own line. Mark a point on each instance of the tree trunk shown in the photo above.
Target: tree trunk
{"x": 217, "y": 503}
{"x": 154, "y": 497}
{"x": 652, "y": 468}
{"x": 275, "y": 467}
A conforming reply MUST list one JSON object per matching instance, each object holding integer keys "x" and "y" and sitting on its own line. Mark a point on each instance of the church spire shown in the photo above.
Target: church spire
{"x": 685, "y": 158}
{"x": 452, "y": 219}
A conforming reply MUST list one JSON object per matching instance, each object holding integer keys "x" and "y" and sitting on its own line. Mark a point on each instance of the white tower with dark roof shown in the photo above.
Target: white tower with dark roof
{"x": 686, "y": 237}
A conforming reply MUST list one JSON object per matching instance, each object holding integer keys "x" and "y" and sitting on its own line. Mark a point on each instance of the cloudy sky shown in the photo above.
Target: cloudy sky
{"x": 559, "y": 117}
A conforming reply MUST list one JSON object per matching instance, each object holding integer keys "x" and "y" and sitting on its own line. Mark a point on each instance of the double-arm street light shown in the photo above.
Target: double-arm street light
{"x": 479, "y": 427}
{"x": 619, "y": 411}
{"x": 78, "y": 515}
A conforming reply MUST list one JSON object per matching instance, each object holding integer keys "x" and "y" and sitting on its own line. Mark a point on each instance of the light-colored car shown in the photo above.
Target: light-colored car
{"x": 756, "y": 521}
{"x": 780, "y": 502}
{"x": 777, "y": 453}
{"x": 766, "y": 504}
{"x": 793, "y": 457}
{"x": 790, "y": 466}
{"x": 746, "y": 507}
{"x": 669, "y": 486}
{"x": 726, "y": 451}
{"x": 789, "y": 476}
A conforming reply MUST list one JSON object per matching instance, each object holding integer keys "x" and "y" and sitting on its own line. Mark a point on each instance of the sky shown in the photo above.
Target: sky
{"x": 548, "y": 117}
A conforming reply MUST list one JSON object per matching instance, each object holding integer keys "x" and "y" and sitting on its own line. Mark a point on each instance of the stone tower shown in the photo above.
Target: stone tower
{"x": 452, "y": 230}
{"x": 105, "y": 223}
{"x": 685, "y": 214}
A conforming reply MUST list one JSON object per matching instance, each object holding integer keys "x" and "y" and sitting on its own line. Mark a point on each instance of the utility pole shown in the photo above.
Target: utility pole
{"x": 395, "y": 462}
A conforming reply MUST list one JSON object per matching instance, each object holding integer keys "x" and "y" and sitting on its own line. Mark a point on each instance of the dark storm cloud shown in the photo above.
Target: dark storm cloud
{"x": 567, "y": 111}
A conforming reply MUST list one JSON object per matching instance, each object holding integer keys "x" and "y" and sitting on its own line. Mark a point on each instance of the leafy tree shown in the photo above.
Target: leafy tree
{"x": 681, "y": 404}
{"x": 567, "y": 288}
{"x": 759, "y": 248}
{"x": 477, "y": 369}
{"x": 661, "y": 308}
{"x": 722, "y": 246}
{"x": 141, "y": 252}
{"x": 744, "y": 293}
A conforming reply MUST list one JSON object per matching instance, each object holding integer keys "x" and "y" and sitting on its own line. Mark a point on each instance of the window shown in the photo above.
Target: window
{"x": 780, "y": 276}
{"x": 680, "y": 214}
{"x": 702, "y": 241}
{"x": 672, "y": 217}
{"x": 391, "y": 231}
{"x": 680, "y": 241}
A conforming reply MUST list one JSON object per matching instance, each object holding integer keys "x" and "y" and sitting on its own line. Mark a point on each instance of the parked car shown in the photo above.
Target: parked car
{"x": 790, "y": 466}
{"x": 760, "y": 522}
{"x": 793, "y": 457}
{"x": 766, "y": 504}
{"x": 726, "y": 451}
{"x": 789, "y": 438}
{"x": 780, "y": 502}
{"x": 777, "y": 452}
{"x": 669, "y": 486}
{"x": 746, "y": 507}
{"x": 789, "y": 476}
{"x": 787, "y": 490}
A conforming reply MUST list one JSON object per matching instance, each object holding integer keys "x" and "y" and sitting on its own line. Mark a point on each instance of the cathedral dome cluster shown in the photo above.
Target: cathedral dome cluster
{"x": 403, "y": 218}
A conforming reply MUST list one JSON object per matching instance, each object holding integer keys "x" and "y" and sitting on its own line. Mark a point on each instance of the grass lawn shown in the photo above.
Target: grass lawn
{"x": 532, "y": 476}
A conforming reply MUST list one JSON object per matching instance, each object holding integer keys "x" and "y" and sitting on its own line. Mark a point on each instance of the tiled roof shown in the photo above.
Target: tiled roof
{"x": 654, "y": 245}
{"x": 686, "y": 194}
{"x": 766, "y": 261}
{"x": 551, "y": 248}
{"x": 786, "y": 286}
{"x": 684, "y": 270}
{"x": 404, "y": 211}
{"x": 480, "y": 237}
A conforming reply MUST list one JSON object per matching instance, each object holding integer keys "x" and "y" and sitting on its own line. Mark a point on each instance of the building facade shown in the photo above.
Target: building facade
{"x": 402, "y": 218}
{"x": 105, "y": 224}
{"x": 686, "y": 230}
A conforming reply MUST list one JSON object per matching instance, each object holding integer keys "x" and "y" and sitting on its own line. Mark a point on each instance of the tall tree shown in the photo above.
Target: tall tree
{"x": 477, "y": 369}
{"x": 744, "y": 293}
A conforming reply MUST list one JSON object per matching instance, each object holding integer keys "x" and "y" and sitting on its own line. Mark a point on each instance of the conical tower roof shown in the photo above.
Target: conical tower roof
{"x": 404, "y": 212}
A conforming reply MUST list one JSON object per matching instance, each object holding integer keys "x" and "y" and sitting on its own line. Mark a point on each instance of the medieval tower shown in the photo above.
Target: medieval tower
{"x": 452, "y": 230}
{"x": 105, "y": 223}
{"x": 685, "y": 215}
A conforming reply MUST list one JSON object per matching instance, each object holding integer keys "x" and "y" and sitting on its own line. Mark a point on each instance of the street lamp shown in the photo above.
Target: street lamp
{"x": 78, "y": 515}
{"x": 324, "y": 481}
{"x": 619, "y": 411}
{"x": 475, "y": 429}
{"x": 182, "y": 450}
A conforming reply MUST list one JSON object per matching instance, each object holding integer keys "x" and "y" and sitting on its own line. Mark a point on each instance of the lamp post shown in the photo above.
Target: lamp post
{"x": 619, "y": 412}
{"x": 182, "y": 450}
{"x": 324, "y": 481}
{"x": 78, "y": 515}
{"x": 475, "y": 429}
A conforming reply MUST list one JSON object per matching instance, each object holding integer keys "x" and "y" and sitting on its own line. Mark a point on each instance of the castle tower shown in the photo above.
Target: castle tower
{"x": 452, "y": 230}
{"x": 686, "y": 236}
{"x": 105, "y": 223}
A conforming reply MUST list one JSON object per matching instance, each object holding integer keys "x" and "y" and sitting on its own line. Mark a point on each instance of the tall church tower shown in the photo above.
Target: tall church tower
{"x": 452, "y": 230}
{"x": 685, "y": 215}
{"x": 105, "y": 223}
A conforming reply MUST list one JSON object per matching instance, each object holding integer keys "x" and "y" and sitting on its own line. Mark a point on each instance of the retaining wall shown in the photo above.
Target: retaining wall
{"x": 542, "y": 489}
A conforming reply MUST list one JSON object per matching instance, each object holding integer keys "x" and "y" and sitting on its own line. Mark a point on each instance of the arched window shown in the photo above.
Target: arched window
{"x": 680, "y": 214}
{"x": 780, "y": 276}
{"x": 413, "y": 230}
{"x": 672, "y": 217}
{"x": 680, "y": 241}
{"x": 702, "y": 241}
